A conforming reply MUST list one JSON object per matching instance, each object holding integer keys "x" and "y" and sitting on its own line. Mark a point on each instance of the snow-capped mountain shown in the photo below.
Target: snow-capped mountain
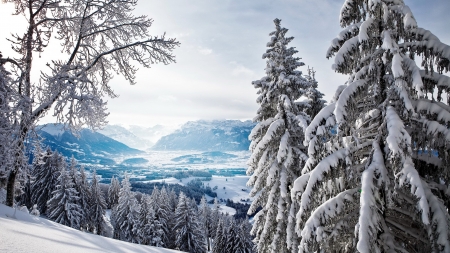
{"x": 88, "y": 147}
{"x": 121, "y": 134}
{"x": 217, "y": 135}
{"x": 137, "y": 137}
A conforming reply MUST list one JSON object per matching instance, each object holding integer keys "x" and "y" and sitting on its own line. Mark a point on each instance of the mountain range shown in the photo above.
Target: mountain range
{"x": 88, "y": 147}
{"x": 217, "y": 135}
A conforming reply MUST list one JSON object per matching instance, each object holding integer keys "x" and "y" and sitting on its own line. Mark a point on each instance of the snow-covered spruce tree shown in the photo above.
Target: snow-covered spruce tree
{"x": 214, "y": 217}
{"x": 7, "y": 126}
{"x": 315, "y": 101}
{"x": 232, "y": 233}
{"x": 219, "y": 244}
{"x": 113, "y": 192}
{"x": 100, "y": 39}
{"x": 277, "y": 141}
{"x": 97, "y": 206}
{"x": 380, "y": 184}
{"x": 244, "y": 243}
{"x": 166, "y": 216}
{"x": 150, "y": 231}
{"x": 189, "y": 236}
{"x": 63, "y": 207}
{"x": 84, "y": 192}
{"x": 124, "y": 216}
{"x": 204, "y": 214}
{"x": 46, "y": 178}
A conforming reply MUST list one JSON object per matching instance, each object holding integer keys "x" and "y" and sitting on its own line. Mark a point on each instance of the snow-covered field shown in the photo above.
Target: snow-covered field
{"x": 171, "y": 159}
{"x": 21, "y": 232}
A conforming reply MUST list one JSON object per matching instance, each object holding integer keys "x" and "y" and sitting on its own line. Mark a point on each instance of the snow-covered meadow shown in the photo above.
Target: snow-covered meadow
{"x": 22, "y": 232}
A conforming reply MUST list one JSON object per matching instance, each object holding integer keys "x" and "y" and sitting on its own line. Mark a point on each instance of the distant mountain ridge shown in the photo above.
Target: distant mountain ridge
{"x": 216, "y": 135}
{"x": 91, "y": 147}
{"x": 137, "y": 137}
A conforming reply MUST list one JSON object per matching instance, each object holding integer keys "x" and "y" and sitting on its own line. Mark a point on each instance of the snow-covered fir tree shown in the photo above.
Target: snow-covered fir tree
{"x": 214, "y": 217}
{"x": 6, "y": 125}
{"x": 113, "y": 192}
{"x": 315, "y": 101}
{"x": 204, "y": 215}
{"x": 219, "y": 244}
{"x": 150, "y": 231}
{"x": 276, "y": 141}
{"x": 166, "y": 216}
{"x": 84, "y": 192}
{"x": 232, "y": 233}
{"x": 189, "y": 236}
{"x": 124, "y": 216}
{"x": 97, "y": 206}
{"x": 46, "y": 178}
{"x": 381, "y": 183}
{"x": 63, "y": 206}
{"x": 244, "y": 239}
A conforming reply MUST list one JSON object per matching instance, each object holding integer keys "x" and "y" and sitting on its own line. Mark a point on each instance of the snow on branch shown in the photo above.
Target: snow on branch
{"x": 368, "y": 219}
{"x": 409, "y": 22}
{"x": 410, "y": 175}
{"x": 440, "y": 80}
{"x": 266, "y": 139}
{"x": 345, "y": 34}
{"x": 400, "y": 88}
{"x": 340, "y": 111}
{"x": 316, "y": 175}
{"x": 344, "y": 51}
{"x": 329, "y": 209}
{"x": 398, "y": 138}
{"x": 441, "y": 110}
{"x": 434, "y": 127}
{"x": 415, "y": 75}
{"x": 439, "y": 218}
{"x": 324, "y": 114}
{"x": 363, "y": 36}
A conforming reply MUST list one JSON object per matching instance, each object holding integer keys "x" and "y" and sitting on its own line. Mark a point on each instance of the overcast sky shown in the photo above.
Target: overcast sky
{"x": 222, "y": 43}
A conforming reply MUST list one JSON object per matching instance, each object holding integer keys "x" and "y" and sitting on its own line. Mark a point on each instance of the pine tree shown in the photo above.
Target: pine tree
{"x": 375, "y": 186}
{"x": 150, "y": 231}
{"x": 63, "y": 207}
{"x": 113, "y": 193}
{"x": 220, "y": 239}
{"x": 277, "y": 150}
{"x": 97, "y": 206}
{"x": 46, "y": 178}
{"x": 214, "y": 217}
{"x": 232, "y": 240}
{"x": 189, "y": 237}
{"x": 205, "y": 220}
{"x": 125, "y": 215}
{"x": 165, "y": 215}
{"x": 84, "y": 192}
{"x": 244, "y": 243}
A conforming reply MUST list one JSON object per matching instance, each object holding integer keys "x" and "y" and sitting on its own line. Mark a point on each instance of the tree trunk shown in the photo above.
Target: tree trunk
{"x": 10, "y": 187}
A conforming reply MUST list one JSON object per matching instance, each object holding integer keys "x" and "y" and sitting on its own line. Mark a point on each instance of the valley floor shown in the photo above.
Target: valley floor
{"x": 21, "y": 232}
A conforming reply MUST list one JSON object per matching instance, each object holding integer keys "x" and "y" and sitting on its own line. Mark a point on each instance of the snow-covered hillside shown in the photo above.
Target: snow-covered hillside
{"x": 217, "y": 135}
{"x": 21, "y": 232}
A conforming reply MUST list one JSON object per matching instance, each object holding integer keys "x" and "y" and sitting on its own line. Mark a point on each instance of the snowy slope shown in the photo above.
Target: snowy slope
{"x": 27, "y": 233}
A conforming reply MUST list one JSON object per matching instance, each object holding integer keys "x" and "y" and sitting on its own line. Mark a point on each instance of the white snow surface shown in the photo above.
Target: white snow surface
{"x": 28, "y": 233}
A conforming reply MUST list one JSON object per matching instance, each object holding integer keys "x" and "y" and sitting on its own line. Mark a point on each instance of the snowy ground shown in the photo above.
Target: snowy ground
{"x": 27, "y": 233}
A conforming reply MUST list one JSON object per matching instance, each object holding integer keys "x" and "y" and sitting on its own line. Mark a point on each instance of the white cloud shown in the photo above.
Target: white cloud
{"x": 205, "y": 51}
{"x": 239, "y": 70}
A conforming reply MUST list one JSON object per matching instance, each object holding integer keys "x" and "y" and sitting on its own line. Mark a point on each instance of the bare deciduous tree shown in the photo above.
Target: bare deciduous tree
{"x": 100, "y": 38}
